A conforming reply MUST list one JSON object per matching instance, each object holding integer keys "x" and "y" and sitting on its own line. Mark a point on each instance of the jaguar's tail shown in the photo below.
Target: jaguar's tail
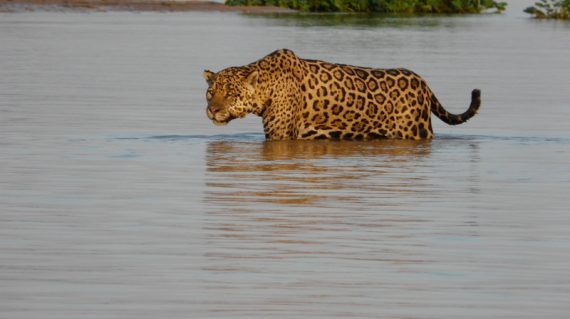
{"x": 454, "y": 119}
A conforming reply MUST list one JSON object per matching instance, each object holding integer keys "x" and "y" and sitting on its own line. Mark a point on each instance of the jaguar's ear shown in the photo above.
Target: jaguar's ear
{"x": 251, "y": 79}
{"x": 209, "y": 76}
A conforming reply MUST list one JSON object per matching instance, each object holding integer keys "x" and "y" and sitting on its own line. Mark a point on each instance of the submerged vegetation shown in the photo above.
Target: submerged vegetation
{"x": 550, "y": 9}
{"x": 384, "y": 6}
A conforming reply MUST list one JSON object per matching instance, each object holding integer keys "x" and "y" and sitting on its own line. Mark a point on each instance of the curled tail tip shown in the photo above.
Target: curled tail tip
{"x": 454, "y": 119}
{"x": 476, "y": 94}
{"x": 475, "y": 101}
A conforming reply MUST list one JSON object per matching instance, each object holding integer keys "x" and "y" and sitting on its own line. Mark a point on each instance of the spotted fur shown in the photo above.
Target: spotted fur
{"x": 310, "y": 99}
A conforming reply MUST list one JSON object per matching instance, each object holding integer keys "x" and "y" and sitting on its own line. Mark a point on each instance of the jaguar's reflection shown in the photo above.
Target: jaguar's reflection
{"x": 327, "y": 200}
{"x": 317, "y": 173}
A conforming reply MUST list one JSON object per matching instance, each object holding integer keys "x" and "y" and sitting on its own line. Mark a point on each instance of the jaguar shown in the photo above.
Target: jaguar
{"x": 311, "y": 99}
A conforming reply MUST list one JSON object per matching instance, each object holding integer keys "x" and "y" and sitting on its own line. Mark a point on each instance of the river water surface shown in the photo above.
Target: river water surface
{"x": 119, "y": 199}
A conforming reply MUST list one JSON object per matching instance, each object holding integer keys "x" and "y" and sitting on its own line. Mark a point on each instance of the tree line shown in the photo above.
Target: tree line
{"x": 383, "y": 6}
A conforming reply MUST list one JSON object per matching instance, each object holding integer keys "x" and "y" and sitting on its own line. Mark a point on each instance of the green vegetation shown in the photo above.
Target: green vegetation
{"x": 550, "y": 9}
{"x": 384, "y": 6}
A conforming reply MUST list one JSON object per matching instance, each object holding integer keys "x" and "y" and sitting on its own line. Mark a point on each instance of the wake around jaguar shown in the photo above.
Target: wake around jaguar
{"x": 309, "y": 99}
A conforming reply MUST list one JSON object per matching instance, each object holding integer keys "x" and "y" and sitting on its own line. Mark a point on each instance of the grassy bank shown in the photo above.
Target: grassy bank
{"x": 550, "y": 9}
{"x": 131, "y": 5}
{"x": 384, "y": 6}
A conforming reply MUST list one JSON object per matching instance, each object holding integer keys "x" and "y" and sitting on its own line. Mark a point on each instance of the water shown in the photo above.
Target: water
{"x": 120, "y": 200}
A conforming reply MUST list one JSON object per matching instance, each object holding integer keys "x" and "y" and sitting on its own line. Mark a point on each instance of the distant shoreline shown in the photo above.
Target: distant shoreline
{"x": 132, "y": 5}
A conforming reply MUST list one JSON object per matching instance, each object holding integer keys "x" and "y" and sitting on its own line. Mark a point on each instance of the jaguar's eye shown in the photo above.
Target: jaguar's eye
{"x": 209, "y": 95}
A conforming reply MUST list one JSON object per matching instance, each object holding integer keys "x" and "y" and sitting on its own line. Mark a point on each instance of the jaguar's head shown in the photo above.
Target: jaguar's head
{"x": 231, "y": 94}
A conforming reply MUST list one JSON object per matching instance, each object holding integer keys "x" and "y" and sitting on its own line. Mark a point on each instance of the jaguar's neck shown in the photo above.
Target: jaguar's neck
{"x": 279, "y": 88}
{"x": 279, "y": 118}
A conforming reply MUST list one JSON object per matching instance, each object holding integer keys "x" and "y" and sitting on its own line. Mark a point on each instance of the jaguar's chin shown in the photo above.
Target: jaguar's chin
{"x": 221, "y": 118}
{"x": 218, "y": 123}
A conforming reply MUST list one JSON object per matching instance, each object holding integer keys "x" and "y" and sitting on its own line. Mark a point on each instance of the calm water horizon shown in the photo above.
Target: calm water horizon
{"x": 120, "y": 199}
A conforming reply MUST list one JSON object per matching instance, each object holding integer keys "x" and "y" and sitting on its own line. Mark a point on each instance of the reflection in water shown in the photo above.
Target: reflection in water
{"x": 312, "y": 173}
{"x": 353, "y": 20}
{"x": 314, "y": 224}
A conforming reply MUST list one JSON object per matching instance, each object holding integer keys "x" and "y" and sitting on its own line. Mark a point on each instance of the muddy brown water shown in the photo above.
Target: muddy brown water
{"x": 118, "y": 199}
